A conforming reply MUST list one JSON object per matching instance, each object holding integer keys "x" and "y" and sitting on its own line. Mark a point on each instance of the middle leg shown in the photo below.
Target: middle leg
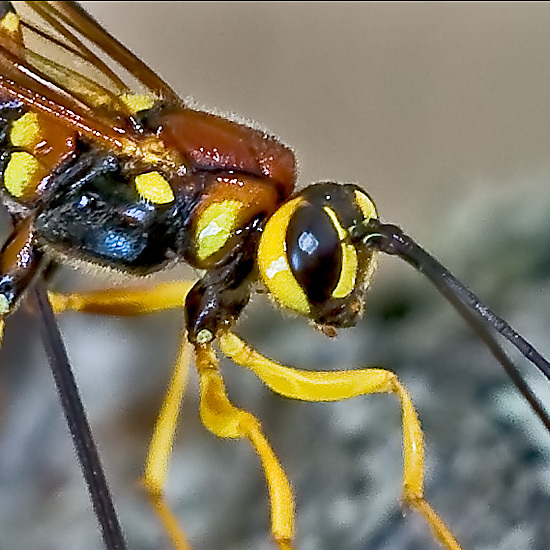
{"x": 340, "y": 385}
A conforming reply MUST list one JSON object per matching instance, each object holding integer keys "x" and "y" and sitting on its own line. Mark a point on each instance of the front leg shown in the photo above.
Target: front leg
{"x": 225, "y": 420}
{"x": 319, "y": 386}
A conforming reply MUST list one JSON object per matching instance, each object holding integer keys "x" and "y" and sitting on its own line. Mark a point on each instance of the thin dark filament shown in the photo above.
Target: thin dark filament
{"x": 391, "y": 240}
{"x": 81, "y": 434}
{"x": 498, "y": 353}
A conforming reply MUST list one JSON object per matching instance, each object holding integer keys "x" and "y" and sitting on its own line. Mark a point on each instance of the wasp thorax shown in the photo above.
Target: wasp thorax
{"x": 230, "y": 205}
{"x": 308, "y": 259}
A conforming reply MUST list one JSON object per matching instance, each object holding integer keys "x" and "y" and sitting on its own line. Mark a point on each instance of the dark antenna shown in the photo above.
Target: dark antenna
{"x": 77, "y": 421}
{"x": 392, "y": 240}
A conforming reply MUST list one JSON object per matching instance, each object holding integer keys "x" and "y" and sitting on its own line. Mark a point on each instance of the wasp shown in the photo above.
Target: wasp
{"x": 97, "y": 173}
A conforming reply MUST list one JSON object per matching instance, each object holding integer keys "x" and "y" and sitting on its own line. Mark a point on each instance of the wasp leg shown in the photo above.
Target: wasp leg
{"x": 336, "y": 386}
{"x": 124, "y": 301}
{"x": 223, "y": 419}
{"x": 161, "y": 445}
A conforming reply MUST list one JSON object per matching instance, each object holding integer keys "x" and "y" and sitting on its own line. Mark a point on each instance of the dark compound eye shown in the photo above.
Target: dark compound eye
{"x": 314, "y": 252}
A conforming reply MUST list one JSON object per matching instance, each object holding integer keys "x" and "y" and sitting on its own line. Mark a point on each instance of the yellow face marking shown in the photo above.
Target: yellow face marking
{"x": 138, "y": 102}
{"x": 20, "y": 173}
{"x": 342, "y": 233}
{"x": 348, "y": 274}
{"x": 214, "y": 227}
{"x": 273, "y": 264}
{"x": 10, "y": 23}
{"x": 366, "y": 205}
{"x": 153, "y": 187}
{"x": 25, "y": 131}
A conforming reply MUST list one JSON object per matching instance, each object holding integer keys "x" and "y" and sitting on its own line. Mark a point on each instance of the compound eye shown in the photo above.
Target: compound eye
{"x": 273, "y": 263}
{"x": 314, "y": 252}
{"x": 306, "y": 259}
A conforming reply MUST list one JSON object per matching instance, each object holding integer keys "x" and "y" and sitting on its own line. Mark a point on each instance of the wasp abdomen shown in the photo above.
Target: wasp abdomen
{"x": 33, "y": 145}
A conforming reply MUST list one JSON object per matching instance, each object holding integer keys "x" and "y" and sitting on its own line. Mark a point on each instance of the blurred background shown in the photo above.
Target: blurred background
{"x": 441, "y": 111}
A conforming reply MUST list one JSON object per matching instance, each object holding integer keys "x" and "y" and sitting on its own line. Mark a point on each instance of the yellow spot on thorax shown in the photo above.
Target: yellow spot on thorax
{"x": 25, "y": 131}
{"x": 10, "y": 23}
{"x": 214, "y": 227}
{"x": 153, "y": 187}
{"x": 20, "y": 173}
{"x": 342, "y": 234}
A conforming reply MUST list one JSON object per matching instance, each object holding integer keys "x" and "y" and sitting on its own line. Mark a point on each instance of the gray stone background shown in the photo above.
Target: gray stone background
{"x": 442, "y": 112}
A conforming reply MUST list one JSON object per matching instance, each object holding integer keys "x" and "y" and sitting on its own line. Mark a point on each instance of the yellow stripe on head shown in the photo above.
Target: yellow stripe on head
{"x": 348, "y": 274}
{"x": 273, "y": 263}
{"x": 366, "y": 205}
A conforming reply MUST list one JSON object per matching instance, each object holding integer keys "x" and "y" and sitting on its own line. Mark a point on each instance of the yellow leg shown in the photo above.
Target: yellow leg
{"x": 225, "y": 420}
{"x": 122, "y": 301}
{"x": 135, "y": 301}
{"x": 217, "y": 413}
{"x": 161, "y": 445}
{"x": 336, "y": 386}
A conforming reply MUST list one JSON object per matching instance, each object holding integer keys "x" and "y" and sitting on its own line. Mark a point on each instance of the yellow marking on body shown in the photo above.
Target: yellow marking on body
{"x": 366, "y": 205}
{"x": 25, "y": 131}
{"x": 214, "y": 227}
{"x": 348, "y": 273}
{"x": 273, "y": 263}
{"x": 20, "y": 173}
{"x": 154, "y": 187}
{"x": 4, "y": 305}
{"x": 10, "y": 23}
{"x": 342, "y": 233}
{"x": 138, "y": 102}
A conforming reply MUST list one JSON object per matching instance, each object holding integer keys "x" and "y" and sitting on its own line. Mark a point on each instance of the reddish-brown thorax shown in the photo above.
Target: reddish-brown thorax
{"x": 212, "y": 143}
